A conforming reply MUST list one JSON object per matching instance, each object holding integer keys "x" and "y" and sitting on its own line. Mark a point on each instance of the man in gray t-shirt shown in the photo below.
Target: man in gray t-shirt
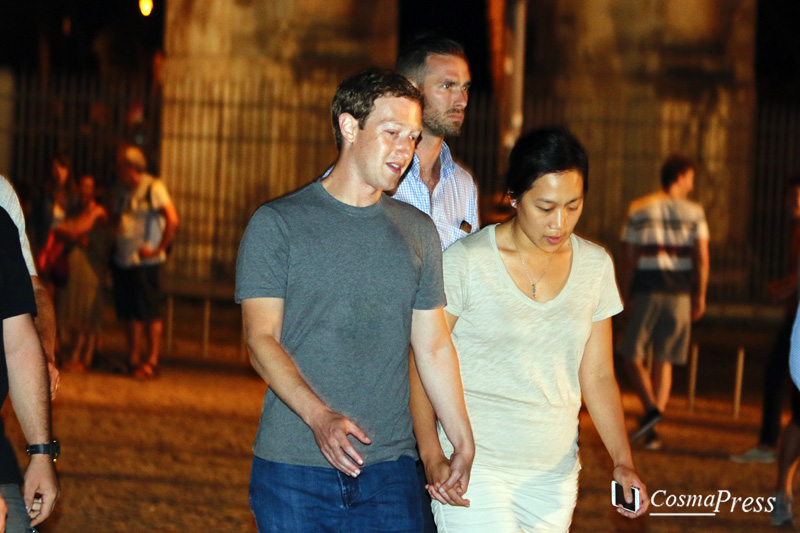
{"x": 335, "y": 281}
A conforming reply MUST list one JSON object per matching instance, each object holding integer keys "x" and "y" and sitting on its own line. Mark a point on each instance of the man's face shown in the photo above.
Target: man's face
{"x": 445, "y": 92}
{"x": 385, "y": 147}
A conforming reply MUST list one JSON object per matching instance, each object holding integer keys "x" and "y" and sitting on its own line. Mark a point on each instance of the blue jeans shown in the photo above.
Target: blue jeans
{"x": 384, "y": 497}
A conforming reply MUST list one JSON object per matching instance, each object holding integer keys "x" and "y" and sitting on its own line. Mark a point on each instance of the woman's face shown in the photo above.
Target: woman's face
{"x": 548, "y": 211}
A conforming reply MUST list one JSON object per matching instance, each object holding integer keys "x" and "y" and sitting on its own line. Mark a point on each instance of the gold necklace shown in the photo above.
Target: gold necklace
{"x": 546, "y": 268}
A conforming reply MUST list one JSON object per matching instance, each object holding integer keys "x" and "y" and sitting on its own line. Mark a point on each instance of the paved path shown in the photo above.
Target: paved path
{"x": 174, "y": 455}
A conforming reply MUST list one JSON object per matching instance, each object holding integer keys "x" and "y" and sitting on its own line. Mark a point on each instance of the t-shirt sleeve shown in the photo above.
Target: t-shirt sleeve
{"x": 609, "y": 303}
{"x": 10, "y": 202}
{"x": 15, "y": 281}
{"x": 262, "y": 267}
{"x": 430, "y": 292}
{"x": 456, "y": 277}
{"x": 701, "y": 231}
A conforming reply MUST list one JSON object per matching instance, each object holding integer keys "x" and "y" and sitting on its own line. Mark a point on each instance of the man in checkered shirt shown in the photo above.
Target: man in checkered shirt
{"x": 434, "y": 183}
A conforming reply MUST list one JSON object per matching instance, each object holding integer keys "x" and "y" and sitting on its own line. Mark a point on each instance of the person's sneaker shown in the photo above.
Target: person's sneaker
{"x": 651, "y": 441}
{"x": 755, "y": 455}
{"x": 781, "y": 514}
{"x": 650, "y": 419}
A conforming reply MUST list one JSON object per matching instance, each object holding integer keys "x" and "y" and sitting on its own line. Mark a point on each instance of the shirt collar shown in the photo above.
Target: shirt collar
{"x": 448, "y": 166}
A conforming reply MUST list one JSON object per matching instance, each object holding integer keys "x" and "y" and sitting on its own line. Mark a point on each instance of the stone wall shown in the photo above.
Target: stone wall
{"x": 247, "y": 86}
{"x": 640, "y": 80}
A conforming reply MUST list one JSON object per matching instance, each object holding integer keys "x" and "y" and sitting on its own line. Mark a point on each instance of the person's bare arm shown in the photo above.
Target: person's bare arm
{"x": 45, "y": 323}
{"x": 263, "y": 320}
{"x": 75, "y": 228}
{"x": 701, "y": 265}
{"x": 437, "y": 364}
{"x": 437, "y": 466}
{"x": 603, "y": 401}
{"x": 170, "y": 229}
{"x": 27, "y": 386}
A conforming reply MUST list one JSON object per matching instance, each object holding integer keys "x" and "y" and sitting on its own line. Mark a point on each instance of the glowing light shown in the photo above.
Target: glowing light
{"x": 146, "y": 7}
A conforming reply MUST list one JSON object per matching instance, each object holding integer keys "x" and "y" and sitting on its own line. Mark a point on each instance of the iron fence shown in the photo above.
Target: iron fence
{"x": 223, "y": 147}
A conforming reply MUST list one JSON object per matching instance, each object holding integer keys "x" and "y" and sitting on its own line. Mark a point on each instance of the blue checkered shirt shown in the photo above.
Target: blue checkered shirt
{"x": 453, "y": 202}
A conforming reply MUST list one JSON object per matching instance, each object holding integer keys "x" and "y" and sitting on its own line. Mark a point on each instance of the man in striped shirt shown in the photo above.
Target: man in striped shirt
{"x": 434, "y": 183}
{"x": 665, "y": 269}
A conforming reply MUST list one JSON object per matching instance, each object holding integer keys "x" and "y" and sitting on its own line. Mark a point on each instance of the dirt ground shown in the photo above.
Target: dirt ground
{"x": 173, "y": 454}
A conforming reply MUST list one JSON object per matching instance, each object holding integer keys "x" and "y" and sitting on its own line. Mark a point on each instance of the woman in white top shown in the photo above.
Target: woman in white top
{"x": 529, "y": 305}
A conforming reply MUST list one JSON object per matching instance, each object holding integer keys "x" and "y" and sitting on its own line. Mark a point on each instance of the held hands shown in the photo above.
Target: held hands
{"x": 41, "y": 488}
{"x": 626, "y": 477}
{"x": 330, "y": 431}
{"x": 448, "y": 479}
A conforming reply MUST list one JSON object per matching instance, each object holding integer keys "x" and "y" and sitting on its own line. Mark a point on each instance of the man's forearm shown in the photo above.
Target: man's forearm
{"x": 423, "y": 416}
{"x": 277, "y": 369}
{"x": 27, "y": 378}
{"x": 441, "y": 379}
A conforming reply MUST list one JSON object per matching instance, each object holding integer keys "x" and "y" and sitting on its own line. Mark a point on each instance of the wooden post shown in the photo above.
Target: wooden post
{"x": 170, "y": 317}
{"x": 737, "y": 394}
{"x": 693, "y": 375}
{"x": 206, "y": 325}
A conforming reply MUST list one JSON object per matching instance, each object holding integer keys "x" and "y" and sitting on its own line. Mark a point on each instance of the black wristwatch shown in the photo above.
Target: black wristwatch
{"x": 52, "y": 448}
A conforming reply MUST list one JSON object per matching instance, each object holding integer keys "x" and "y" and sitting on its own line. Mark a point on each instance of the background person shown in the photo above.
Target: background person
{"x": 776, "y": 369}
{"x": 530, "y": 306}
{"x": 434, "y": 183}
{"x": 80, "y": 304}
{"x": 146, "y": 223}
{"x": 663, "y": 279}
{"x": 23, "y": 377}
{"x": 45, "y": 321}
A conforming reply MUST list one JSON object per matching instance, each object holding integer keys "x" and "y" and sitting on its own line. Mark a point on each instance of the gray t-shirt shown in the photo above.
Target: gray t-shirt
{"x": 349, "y": 277}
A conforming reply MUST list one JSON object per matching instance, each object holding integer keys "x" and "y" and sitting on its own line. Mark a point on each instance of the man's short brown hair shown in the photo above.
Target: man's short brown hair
{"x": 357, "y": 94}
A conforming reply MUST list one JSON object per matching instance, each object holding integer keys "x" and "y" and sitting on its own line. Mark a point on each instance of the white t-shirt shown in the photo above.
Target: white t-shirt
{"x": 141, "y": 221}
{"x": 10, "y": 202}
{"x": 520, "y": 358}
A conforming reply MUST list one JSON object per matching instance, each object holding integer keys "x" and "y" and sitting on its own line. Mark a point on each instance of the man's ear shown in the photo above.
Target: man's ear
{"x": 348, "y": 126}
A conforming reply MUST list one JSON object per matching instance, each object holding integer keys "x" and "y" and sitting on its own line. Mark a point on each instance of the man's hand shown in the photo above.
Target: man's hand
{"x": 55, "y": 378}
{"x": 145, "y": 252}
{"x": 330, "y": 431}
{"x": 627, "y": 478}
{"x": 3, "y": 513}
{"x": 41, "y": 489}
{"x": 441, "y": 472}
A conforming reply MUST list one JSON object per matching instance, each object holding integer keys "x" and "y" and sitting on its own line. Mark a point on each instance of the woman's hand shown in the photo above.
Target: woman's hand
{"x": 437, "y": 472}
{"x": 626, "y": 477}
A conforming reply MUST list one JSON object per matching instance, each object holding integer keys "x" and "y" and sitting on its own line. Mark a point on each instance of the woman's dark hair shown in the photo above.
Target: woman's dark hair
{"x": 544, "y": 151}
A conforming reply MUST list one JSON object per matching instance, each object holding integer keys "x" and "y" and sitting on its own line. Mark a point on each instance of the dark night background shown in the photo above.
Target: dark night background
{"x": 133, "y": 39}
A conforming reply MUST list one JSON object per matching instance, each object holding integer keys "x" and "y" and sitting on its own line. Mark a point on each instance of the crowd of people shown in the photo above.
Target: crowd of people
{"x": 75, "y": 241}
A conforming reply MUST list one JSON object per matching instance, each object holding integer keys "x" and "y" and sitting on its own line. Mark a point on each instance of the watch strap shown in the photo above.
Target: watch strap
{"x": 53, "y": 449}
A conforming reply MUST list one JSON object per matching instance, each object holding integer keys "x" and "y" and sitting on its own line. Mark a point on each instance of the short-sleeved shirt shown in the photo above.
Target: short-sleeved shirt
{"x": 17, "y": 299}
{"x": 141, "y": 221}
{"x": 520, "y": 358}
{"x": 665, "y": 230}
{"x": 10, "y": 202}
{"x": 454, "y": 200}
{"x": 350, "y": 278}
